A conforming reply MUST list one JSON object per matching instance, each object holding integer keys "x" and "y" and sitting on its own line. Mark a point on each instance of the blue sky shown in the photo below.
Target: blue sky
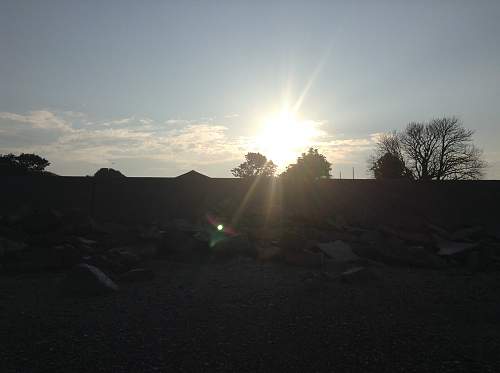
{"x": 157, "y": 88}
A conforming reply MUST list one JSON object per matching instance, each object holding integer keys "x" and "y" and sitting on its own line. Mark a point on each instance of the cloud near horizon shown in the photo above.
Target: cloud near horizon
{"x": 76, "y": 145}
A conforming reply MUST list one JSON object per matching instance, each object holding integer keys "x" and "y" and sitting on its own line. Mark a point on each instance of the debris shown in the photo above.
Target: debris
{"x": 8, "y": 247}
{"x": 268, "y": 253}
{"x": 467, "y": 234}
{"x": 303, "y": 258}
{"x": 338, "y": 251}
{"x": 447, "y": 248}
{"x": 369, "y": 236}
{"x": 138, "y": 274}
{"x": 357, "y": 274}
{"x": 85, "y": 279}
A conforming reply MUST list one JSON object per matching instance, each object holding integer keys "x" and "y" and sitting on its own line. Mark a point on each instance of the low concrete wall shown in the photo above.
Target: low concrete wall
{"x": 159, "y": 199}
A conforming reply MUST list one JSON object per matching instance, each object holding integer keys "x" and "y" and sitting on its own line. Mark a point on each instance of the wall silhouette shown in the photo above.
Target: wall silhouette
{"x": 143, "y": 200}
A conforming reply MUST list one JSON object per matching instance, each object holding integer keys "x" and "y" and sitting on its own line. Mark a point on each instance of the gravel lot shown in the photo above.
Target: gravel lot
{"x": 244, "y": 316}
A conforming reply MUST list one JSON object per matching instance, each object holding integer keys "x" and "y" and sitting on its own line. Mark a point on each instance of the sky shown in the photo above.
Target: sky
{"x": 157, "y": 88}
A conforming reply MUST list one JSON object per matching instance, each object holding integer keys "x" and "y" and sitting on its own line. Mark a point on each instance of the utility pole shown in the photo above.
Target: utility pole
{"x": 340, "y": 174}
{"x": 353, "y": 173}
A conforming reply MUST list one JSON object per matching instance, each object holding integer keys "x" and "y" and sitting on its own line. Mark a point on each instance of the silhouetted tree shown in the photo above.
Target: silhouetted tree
{"x": 108, "y": 173}
{"x": 310, "y": 166}
{"x": 33, "y": 162}
{"x": 389, "y": 166}
{"x": 255, "y": 164}
{"x": 440, "y": 149}
{"x": 23, "y": 164}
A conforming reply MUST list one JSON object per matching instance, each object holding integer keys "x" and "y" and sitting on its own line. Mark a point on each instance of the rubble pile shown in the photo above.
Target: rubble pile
{"x": 37, "y": 241}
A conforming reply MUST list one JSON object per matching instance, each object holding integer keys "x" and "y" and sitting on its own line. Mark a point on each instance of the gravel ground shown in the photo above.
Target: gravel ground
{"x": 244, "y": 316}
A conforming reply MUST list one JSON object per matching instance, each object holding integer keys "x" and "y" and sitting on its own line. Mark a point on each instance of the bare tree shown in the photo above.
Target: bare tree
{"x": 456, "y": 157}
{"x": 440, "y": 149}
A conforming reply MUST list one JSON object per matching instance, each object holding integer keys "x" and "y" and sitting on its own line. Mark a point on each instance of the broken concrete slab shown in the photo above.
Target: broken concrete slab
{"x": 448, "y": 248}
{"x": 303, "y": 258}
{"x": 338, "y": 251}
{"x": 357, "y": 275}
{"x": 85, "y": 279}
{"x": 137, "y": 275}
{"x": 467, "y": 234}
{"x": 266, "y": 253}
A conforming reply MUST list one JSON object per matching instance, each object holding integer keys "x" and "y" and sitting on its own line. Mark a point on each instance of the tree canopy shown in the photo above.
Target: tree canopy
{"x": 310, "y": 166}
{"x": 255, "y": 164}
{"x": 389, "y": 166}
{"x": 23, "y": 164}
{"x": 108, "y": 173}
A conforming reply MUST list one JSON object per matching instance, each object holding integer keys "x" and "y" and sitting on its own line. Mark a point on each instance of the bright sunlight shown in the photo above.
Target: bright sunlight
{"x": 284, "y": 136}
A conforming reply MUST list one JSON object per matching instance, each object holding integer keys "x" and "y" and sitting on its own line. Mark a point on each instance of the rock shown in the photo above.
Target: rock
{"x": 63, "y": 256}
{"x": 303, "y": 258}
{"x": 151, "y": 233}
{"x": 472, "y": 260}
{"x": 467, "y": 234}
{"x": 129, "y": 259}
{"x": 111, "y": 263}
{"x": 9, "y": 247}
{"x": 141, "y": 250}
{"x": 447, "y": 248}
{"x": 338, "y": 251}
{"x": 371, "y": 237}
{"x": 292, "y": 241}
{"x": 232, "y": 246}
{"x": 39, "y": 222}
{"x": 267, "y": 253}
{"x": 138, "y": 274}
{"x": 183, "y": 246}
{"x": 85, "y": 279}
{"x": 439, "y": 231}
{"x": 358, "y": 275}
{"x": 396, "y": 252}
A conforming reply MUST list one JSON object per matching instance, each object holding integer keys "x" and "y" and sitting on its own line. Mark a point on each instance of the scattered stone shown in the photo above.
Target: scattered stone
{"x": 369, "y": 236}
{"x": 437, "y": 230}
{"x": 268, "y": 253}
{"x": 9, "y": 247}
{"x": 357, "y": 274}
{"x": 467, "y": 234}
{"x": 231, "y": 246}
{"x": 138, "y": 274}
{"x": 303, "y": 258}
{"x": 338, "y": 251}
{"x": 447, "y": 248}
{"x": 85, "y": 279}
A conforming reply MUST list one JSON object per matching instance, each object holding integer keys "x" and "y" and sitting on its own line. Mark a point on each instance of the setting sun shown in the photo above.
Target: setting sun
{"x": 284, "y": 136}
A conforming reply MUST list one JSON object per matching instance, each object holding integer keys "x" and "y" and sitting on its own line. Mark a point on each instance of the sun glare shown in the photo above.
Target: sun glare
{"x": 284, "y": 137}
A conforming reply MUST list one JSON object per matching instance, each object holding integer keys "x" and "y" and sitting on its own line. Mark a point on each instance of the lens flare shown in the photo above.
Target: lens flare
{"x": 220, "y": 227}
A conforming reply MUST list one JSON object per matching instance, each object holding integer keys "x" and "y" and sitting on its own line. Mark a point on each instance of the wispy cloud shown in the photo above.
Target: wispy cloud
{"x": 185, "y": 143}
{"x": 43, "y": 119}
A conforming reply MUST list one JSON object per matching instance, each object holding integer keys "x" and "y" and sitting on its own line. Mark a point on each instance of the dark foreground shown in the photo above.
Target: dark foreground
{"x": 244, "y": 316}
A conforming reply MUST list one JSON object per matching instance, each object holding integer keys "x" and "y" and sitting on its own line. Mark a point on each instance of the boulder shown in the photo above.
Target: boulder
{"x": 303, "y": 258}
{"x": 183, "y": 245}
{"x": 232, "y": 246}
{"x": 87, "y": 280}
{"x": 396, "y": 252}
{"x": 369, "y": 236}
{"x": 467, "y": 234}
{"x": 138, "y": 274}
{"x": 109, "y": 262}
{"x": 448, "y": 248}
{"x": 10, "y": 248}
{"x": 338, "y": 251}
{"x": 358, "y": 275}
{"x": 266, "y": 253}
{"x": 39, "y": 221}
